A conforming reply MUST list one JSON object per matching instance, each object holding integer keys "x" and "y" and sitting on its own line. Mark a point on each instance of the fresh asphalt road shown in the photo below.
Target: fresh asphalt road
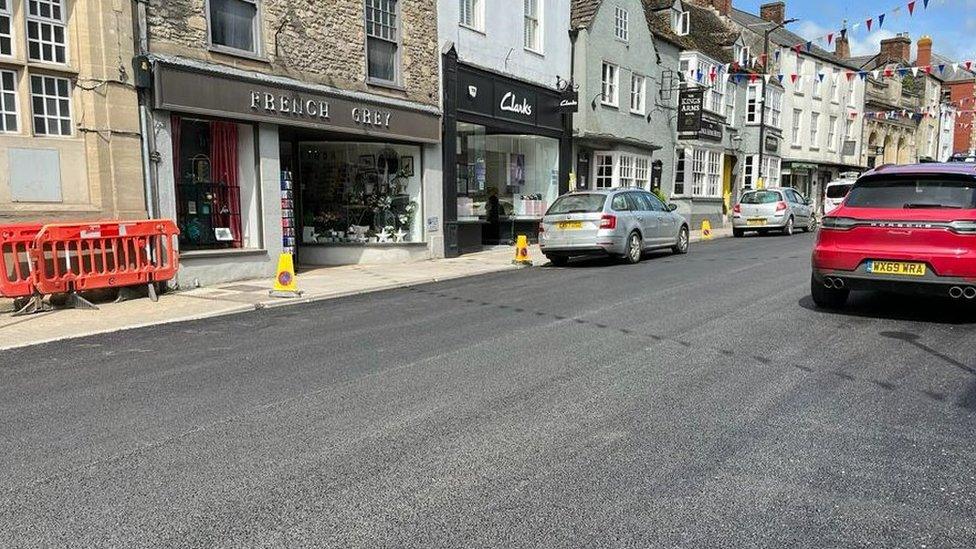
{"x": 689, "y": 401}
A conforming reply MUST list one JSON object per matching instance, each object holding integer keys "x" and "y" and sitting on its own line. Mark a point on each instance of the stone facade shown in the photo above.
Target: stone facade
{"x": 95, "y": 170}
{"x": 308, "y": 41}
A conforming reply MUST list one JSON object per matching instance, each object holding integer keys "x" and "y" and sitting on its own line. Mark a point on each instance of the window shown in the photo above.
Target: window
{"x": 774, "y": 107}
{"x": 849, "y": 129}
{"x": 705, "y": 67}
{"x": 851, "y": 88}
{"x": 699, "y": 164}
{"x": 610, "y": 87}
{"x": 532, "y": 38}
{"x": 8, "y": 101}
{"x": 742, "y": 55}
{"x": 814, "y": 130}
{"x": 730, "y": 103}
{"x": 771, "y": 175}
{"x": 832, "y": 134}
{"x": 679, "y": 172}
{"x": 621, "y": 24}
{"x": 604, "y": 171}
{"x": 6, "y": 31}
{"x": 752, "y": 104}
{"x": 749, "y": 171}
{"x": 682, "y": 23}
{"x": 51, "y": 102}
{"x": 637, "y": 94}
{"x": 473, "y": 14}
{"x": 834, "y": 76}
{"x": 46, "y": 31}
{"x": 382, "y": 40}
{"x": 626, "y": 170}
{"x": 714, "y": 173}
{"x": 817, "y": 84}
{"x": 641, "y": 175}
{"x": 797, "y": 114}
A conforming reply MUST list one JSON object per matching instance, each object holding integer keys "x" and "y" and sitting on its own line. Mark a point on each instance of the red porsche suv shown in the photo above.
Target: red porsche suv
{"x": 908, "y": 229}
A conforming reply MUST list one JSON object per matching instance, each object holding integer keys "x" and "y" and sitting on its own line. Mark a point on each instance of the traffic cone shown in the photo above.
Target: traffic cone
{"x": 285, "y": 284}
{"x": 706, "y": 230}
{"x": 522, "y": 252}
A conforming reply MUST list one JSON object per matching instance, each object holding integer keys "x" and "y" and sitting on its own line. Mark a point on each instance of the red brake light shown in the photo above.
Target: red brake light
{"x": 737, "y": 209}
{"x": 608, "y": 222}
{"x": 780, "y": 206}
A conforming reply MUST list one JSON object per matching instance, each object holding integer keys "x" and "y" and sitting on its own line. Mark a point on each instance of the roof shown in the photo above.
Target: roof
{"x": 582, "y": 12}
{"x": 784, "y": 38}
{"x": 946, "y": 168}
{"x": 708, "y": 32}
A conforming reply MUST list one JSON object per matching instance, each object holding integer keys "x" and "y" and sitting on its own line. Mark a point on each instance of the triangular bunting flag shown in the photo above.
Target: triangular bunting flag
{"x": 968, "y": 65}
{"x": 914, "y": 71}
{"x": 863, "y": 75}
{"x": 820, "y": 76}
{"x": 925, "y": 4}
{"x": 809, "y": 46}
{"x": 876, "y": 73}
{"x": 942, "y": 68}
{"x": 881, "y": 21}
{"x": 850, "y": 75}
{"x": 780, "y": 77}
{"x": 868, "y": 23}
{"x": 830, "y": 38}
{"x": 911, "y": 8}
{"x": 794, "y": 77}
{"x": 767, "y": 78}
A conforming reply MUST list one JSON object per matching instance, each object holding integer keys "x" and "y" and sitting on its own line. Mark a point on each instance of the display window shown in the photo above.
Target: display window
{"x": 207, "y": 161}
{"x": 361, "y": 193}
{"x": 503, "y": 178}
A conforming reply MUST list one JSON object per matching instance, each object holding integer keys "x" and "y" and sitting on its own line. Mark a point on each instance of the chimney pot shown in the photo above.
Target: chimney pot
{"x": 924, "y": 51}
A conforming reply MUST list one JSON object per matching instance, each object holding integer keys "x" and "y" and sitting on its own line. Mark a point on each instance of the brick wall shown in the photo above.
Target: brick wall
{"x": 315, "y": 43}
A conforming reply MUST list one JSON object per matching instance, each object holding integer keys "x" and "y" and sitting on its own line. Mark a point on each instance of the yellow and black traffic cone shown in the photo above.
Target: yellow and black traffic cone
{"x": 522, "y": 252}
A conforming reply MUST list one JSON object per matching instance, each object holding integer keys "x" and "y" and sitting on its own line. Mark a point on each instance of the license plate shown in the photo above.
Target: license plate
{"x": 756, "y": 221}
{"x": 896, "y": 268}
{"x": 569, "y": 225}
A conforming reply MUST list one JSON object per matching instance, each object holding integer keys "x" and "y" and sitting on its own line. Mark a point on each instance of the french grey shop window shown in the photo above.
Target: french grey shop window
{"x": 234, "y": 24}
{"x": 382, "y": 40}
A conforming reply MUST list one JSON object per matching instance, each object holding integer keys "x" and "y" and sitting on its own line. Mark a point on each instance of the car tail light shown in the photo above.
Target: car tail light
{"x": 608, "y": 222}
{"x": 737, "y": 209}
{"x": 838, "y": 223}
{"x": 780, "y": 206}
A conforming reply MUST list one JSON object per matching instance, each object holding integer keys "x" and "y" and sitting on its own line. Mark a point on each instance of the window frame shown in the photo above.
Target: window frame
{"x": 817, "y": 84}
{"x": 597, "y": 165}
{"x": 15, "y": 92}
{"x": 640, "y": 92}
{"x": 538, "y": 18}
{"x": 41, "y": 20}
{"x": 621, "y": 24}
{"x": 814, "y": 130}
{"x": 477, "y": 23}
{"x": 832, "y": 132}
{"x": 680, "y": 167}
{"x": 796, "y": 133}
{"x": 753, "y": 91}
{"x": 398, "y": 58}
{"x": 682, "y": 25}
{"x": 614, "y": 85}
{"x": 8, "y": 12}
{"x": 46, "y": 116}
{"x": 257, "y": 27}
{"x": 637, "y": 170}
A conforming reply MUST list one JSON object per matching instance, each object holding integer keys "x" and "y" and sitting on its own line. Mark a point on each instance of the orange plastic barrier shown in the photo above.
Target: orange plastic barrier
{"x": 16, "y": 242}
{"x": 73, "y": 257}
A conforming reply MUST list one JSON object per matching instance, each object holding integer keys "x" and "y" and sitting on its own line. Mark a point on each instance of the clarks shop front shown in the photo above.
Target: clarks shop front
{"x": 253, "y": 165}
{"x": 510, "y": 156}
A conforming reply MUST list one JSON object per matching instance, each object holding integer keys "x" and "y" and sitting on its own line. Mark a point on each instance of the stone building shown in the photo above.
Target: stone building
{"x": 293, "y": 127}
{"x": 69, "y": 121}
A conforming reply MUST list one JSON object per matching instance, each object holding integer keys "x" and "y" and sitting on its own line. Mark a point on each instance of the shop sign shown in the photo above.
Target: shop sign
{"x": 772, "y": 143}
{"x": 849, "y": 148}
{"x": 710, "y": 130}
{"x": 513, "y": 103}
{"x": 690, "y": 107}
{"x": 569, "y": 101}
{"x": 289, "y": 104}
{"x": 495, "y": 96}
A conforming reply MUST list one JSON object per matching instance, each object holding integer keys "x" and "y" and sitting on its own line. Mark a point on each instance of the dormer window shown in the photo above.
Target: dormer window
{"x": 621, "y": 25}
{"x": 744, "y": 56}
{"x": 682, "y": 23}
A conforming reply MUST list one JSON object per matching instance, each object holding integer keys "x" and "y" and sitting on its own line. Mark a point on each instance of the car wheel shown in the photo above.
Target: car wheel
{"x": 788, "y": 228}
{"x": 558, "y": 260}
{"x": 827, "y": 298}
{"x": 635, "y": 248}
{"x": 738, "y": 233}
{"x": 684, "y": 237}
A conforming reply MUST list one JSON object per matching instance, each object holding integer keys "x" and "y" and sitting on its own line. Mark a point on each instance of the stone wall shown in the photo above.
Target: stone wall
{"x": 309, "y": 41}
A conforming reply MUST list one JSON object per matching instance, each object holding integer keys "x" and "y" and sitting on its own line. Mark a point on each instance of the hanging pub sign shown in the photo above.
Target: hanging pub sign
{"x": 691, "y": 103}
{"x": 772, "y": 144}
{"x": 711, "y": 130}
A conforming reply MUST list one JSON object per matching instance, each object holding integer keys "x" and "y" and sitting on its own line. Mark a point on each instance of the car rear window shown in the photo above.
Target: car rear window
{"x": 578, "y": 203}
{"x": 914, "y": 193}
{"x": 761, "y": 197}
{"x": 838, "y": 191}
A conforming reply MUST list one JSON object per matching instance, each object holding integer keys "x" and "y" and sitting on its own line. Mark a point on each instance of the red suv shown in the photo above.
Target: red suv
{"x": 901, "y": 228}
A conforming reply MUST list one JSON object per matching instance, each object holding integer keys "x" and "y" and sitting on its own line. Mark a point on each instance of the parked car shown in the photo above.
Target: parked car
{"x": 963, "y": 157}
{"x": 906, "y": 229}
{"x": 773, "y": 209}
{"x": 835, "y": 192}
{"x": 622, "y": 223}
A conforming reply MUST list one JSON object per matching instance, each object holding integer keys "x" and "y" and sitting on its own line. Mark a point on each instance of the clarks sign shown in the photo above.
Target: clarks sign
{"x": 511, "y": 104}
{"x": 209, "y": 94}
{"x": 494, "y": 96}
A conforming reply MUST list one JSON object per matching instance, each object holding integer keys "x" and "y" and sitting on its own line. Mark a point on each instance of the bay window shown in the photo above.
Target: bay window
{"x": 704, "y": 167}
{"x": 714, "y": 99}
{"x": 770, "y": 171}
{"x": 619, "y": 169}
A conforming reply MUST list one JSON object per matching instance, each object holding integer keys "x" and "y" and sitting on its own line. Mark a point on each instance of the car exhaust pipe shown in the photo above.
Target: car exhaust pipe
{"x": 828, "y": 282}
{"x": 839, "y": 283}
{"x": 969, "y": 292}
{"x": 955, "y": 292}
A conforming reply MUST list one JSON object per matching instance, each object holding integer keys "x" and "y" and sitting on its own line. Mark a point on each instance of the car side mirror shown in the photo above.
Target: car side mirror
{"x": 672, "y": 207}
{"x": 807, "y": 201}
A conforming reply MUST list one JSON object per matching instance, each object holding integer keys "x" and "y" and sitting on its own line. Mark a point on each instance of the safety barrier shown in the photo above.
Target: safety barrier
{"x": 16, "y": 242}
{"x": 66, "y": 258}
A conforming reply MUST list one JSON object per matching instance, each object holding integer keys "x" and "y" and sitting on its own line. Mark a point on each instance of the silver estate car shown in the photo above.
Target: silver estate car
{"x": 622, "y": 223}
{"x": 774, "y": 209}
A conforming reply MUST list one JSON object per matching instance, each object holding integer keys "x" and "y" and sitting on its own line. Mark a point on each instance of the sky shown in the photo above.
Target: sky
{"x": 950, "y": 23}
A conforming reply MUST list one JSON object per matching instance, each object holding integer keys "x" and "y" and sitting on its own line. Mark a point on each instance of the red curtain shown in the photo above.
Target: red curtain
{"x": 224, "y": 166}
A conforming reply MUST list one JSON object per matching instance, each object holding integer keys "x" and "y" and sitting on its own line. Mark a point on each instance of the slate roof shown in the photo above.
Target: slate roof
{"x": 582, "y": 12}
{"x": 785, "y": 38}
{"x": 708, "y": 33}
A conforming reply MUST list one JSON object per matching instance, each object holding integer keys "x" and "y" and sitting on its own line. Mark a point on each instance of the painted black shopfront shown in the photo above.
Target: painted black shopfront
{"x": 507, "y": 155}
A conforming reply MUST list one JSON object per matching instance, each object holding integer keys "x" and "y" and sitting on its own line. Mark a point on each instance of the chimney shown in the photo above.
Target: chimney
{"x": 897, "y": 49}
{"x": 924, "y": 51}
{"x": 724, "y": 7}
{"x": 842, "y": 47}
{"x": 774, "y": 12}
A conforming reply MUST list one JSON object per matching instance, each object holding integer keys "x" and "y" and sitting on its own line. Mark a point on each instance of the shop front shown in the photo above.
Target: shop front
{"x": 510, "y": 158}
{"x": 253, "y": 165}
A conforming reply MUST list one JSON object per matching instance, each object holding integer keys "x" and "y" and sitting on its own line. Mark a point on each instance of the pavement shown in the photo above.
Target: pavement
{"x": 688, "y": 401}
{"x": 246, "y": 295}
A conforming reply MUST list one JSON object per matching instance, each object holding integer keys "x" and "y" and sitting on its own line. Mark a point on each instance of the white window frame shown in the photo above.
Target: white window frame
{"x": 814, "y": 130}
{"x": 626, "y": 170}
{"x": 603, "y": 181}
{"x": 638, "y": 93}
{"x": 533, "y": 19}
{"x": 471, "y": 14}
{"x": 397, "y": 41}
{"x": 731, "y": 90}
{"x": 680, "y": 171}
{"x": 5, "y": 109}
{"x": 58, "y": 116}
{"x": 610, "y": 89}
{"x": 834, "y": 86}
{"x": 714, "y": 181}
{"x": 774, "y": 107}
{"x": 642, "y": 171}
{"x": 714, "y": 97}
{"x": 817, "y": 84}
{"x": 682, "y": 23}
{"x": 749, "y": 171}
{"x": 852, "y": 92}
{"x": 621, "y": 24}
{"x": 7, "y": 13}
{"x": 796, "y": 137}
{"x": 772, "y": 177}
{"x": 753, "y": 91}
{"x": 53, "y": 23}
{"x": 832, "y": 133}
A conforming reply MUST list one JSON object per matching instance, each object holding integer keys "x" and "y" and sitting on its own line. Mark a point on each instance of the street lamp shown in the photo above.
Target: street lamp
{"x": 762, "y": 106}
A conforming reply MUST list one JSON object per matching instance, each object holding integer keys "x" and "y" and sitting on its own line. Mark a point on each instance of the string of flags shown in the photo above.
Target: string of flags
{"x": 738, "y": 74}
